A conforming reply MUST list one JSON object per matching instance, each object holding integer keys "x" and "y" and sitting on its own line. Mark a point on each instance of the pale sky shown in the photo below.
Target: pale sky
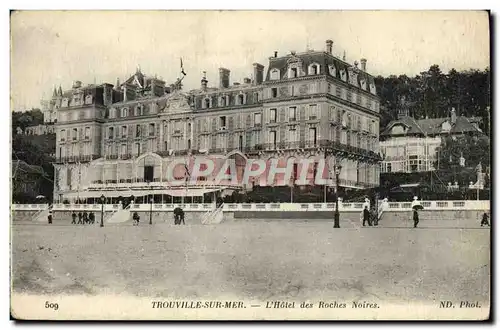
{"x": 49, "y": 49}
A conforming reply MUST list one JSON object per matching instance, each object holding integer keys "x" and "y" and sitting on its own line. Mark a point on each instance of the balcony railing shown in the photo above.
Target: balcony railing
{"x": 76, "y": 159}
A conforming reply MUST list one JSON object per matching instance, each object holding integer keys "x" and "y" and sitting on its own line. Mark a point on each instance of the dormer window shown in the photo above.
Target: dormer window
{"x": 314, "y": 69}
{"x": 332, "y": 70}
{"x": 139, "y": 110}
{"x": 275, "y": 74}
{"x": 293, "y": 73}
{"x": 124, "y": 112}
{"x": 241, "y": 99}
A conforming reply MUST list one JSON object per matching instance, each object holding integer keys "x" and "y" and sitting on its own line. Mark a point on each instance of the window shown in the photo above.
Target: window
{"x": 137, "y": 130}
{"x": 313, "y": 136}
{"x": 272, "y": 115}
{"x": 207, "y": 103}
{"x": 166, "y": 145}
{"x": 257, "y": 119}
{"x": 138, "y": 149}
{"x": 293, "y": 134}
{"x": 241, "y": 99}
{"x": 124, "y": 112}
{"x": 189, "y": 145}
{"x": 338, "y": 92}
{"x": 274, "y": 92}
{"x": 313, "y": 112}
{"x": 123, "y": 150}
{"x": 292, "y": 115}
{"x": 349, "y": 96}
{"x": 272, "y": 139}
{"x": 75, "y": 134}
{"x": 124, "y": 131}
{"x": 292, "y": 90}
{"x": 314, "y": 69}
{"x": 275, "y": 74}
{"x": 152, "y": 129}
{"x": 293, "y": 73}
{"x": 222, "y": 121}
{"x": 63, "y": 135}
{"x": 87, "y": 133}
{"x": 256, "y": 97}
{"x": 240, "y": 143}
{"x": 139, "y": 110}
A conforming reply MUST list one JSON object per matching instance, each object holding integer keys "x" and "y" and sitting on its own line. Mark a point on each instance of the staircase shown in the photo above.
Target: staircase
{"x": 41, "y": 216}
{"x": 213, "y": 217}
{"x": 119, "y": 216}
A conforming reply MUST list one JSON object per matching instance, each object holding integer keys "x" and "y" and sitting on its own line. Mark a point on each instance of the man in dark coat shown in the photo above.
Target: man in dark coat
{"x": 415, "y": 218}
{"x": 484, "y": 220}
{"x": 91, "y": 218}
{"x": 366, "y": 216}
{"x": 49, "y": 218}
{"x": 136, "y": 219}
{"x": 85, "y": 217}
{"x": 73, "y": 217}
{"x": 80, "y": 215}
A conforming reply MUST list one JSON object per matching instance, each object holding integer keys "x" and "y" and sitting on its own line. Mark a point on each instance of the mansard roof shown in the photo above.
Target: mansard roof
{"x": 322, "y": 58}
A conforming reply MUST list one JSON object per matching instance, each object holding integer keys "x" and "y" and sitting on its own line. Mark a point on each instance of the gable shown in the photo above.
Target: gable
{"x": 398, "y": 129}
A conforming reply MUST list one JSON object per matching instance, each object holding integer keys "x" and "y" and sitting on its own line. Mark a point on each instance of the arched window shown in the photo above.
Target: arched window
{"x": 207, "y": 103}
{"x": 241, "y": 99}
{"x": 275, "y": 74}
{"x": 314, "y": 69}
{"x": 124, "y": 112}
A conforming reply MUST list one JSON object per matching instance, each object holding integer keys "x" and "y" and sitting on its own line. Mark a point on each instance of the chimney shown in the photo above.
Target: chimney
{"x": 363, "y": 64}
{"x": 453, "y": 116}
{"x": 329, "y": 46}
{"x": 107, "y": 94}
{"x": 258, "y": 73}
{"x": 204, "y": 81}
{"x": 275, "y": 54}
{"x": 77, "y": 84}
{"x": 224, "y": 78}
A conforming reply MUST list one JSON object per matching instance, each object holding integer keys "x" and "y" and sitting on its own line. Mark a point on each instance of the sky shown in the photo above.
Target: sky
{"x": 52, "y": 48}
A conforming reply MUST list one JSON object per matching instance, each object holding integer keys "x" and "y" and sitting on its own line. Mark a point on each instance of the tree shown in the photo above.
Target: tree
{"x": 474, "y": 149}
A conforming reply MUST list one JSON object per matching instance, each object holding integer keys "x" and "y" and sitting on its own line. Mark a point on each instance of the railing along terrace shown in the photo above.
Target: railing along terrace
{"x": 466, "y": 205}
{"x": 29, "y": 207}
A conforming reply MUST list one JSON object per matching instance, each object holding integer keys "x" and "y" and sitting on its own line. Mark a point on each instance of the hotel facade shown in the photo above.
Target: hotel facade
{"x": 118, "y": 140}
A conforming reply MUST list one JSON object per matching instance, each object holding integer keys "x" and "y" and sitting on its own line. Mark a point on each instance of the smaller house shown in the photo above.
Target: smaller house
{"x": 409, "y": 145}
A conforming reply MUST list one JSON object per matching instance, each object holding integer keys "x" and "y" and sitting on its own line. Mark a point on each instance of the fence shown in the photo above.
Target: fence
{"x": 228, "y": 207}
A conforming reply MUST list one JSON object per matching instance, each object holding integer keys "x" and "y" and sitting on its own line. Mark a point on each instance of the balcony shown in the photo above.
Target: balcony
{"x": 76, "y": 159}
{"x": 125, "y": 156}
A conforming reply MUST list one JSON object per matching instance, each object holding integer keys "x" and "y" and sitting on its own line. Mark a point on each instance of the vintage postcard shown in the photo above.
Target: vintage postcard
{"x": 250, "y": 165}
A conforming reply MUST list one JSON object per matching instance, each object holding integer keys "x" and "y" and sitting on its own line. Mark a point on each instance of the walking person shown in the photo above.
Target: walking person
{"x": 73, "y": 217}
{"x": 80, "y": 215}
{"x": 136, "y": 219}
{"x": 49, "y": 217}
{"x": 85, "y": 218}
{"x": 415, "y": 218}
{"x": 484, "y": 220}
{"x": 91, "y": 218}
{"x": 366, "y": 216}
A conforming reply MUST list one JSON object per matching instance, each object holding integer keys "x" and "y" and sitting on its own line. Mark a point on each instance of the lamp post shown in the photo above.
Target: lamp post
{"x": 336, "y": 223}
{"x": 102, "y": 210}
{"x": 151, "y": 210}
